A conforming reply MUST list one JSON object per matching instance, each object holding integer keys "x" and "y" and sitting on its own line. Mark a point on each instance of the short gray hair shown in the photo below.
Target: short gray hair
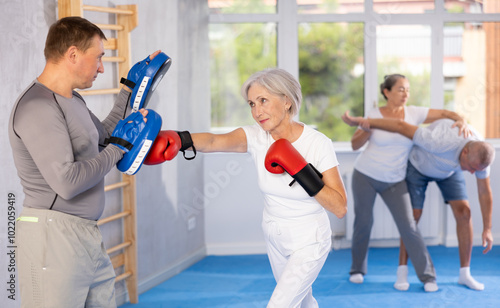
{"x": 279, "y": 82}
{"x": 481, "y": 152}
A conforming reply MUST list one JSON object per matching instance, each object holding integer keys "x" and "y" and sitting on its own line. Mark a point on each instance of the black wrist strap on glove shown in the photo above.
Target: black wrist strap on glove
{"x": 128, "y": 83}
{"x": 124, "y": 143}
{"x": 186, "y": 143}
{"x": 310, "y": 179}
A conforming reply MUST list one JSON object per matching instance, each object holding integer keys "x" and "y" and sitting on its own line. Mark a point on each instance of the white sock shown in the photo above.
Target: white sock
{"x": 431, "y": 286}
{"x": 356, "y": 278}
{"x": 401, "y": 283}
{"x": 466, "y": 279}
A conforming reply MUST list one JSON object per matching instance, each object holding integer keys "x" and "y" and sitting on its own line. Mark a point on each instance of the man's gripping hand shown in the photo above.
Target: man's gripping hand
{"x": 134, "y": 136}
{"x": 282, "y": 156}
{"x": 167, "y": 145}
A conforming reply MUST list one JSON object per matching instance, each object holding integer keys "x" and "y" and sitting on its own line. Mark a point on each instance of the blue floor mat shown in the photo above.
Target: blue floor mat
{"x": 247, "y": 281}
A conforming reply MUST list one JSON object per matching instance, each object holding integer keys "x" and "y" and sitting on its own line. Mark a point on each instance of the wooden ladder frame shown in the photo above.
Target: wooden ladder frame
{"x": 126, "y": 20}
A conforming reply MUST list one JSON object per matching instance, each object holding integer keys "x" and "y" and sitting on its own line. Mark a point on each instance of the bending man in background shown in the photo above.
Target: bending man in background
{"x": 440, "y": 154}
{"x": 380, "y": 169}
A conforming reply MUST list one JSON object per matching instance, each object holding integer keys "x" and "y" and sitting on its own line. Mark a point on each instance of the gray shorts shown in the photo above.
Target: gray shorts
{"x": 62, "y": 261}
{"x": 452, "y": 188}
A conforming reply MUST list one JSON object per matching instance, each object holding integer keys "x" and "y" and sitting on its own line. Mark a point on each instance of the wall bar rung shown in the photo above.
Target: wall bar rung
{"x": 118, "y": 247}
{"x": 123, "y": 276}
{"x": 100, "y": 91}
{"x": 116, "y": 185}
{"x": 110, "y": 44}
{"x": 107, "y": 10}
{"x": 110, "y": 27}
{"x": 113, "y": 217}
{"x": 113, "y": 59}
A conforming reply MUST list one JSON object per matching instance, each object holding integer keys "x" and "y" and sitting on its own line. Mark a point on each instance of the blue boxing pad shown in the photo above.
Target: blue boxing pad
{"x": 144, "y": 77}
{"x": 135, "y": 137}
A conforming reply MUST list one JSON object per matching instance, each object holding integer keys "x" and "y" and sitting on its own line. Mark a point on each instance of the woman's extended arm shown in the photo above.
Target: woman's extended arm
{"x": 235, "y": 141}
{"x": 387, "y": 124}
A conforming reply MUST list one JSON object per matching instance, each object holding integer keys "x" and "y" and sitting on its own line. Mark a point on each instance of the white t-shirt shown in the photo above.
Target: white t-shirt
{"x": 386, "y": 155}
{"x": 437, "y": 150}
{"x": 283, "y": 201}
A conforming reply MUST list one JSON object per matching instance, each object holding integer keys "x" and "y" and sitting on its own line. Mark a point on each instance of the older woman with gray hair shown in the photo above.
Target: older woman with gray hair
{"x": 299, "y": 176}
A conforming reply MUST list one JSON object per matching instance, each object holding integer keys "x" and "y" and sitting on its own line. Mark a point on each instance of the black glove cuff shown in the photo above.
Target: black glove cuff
{"x": 310, "y": 178}
{"x": 186, "y": 143}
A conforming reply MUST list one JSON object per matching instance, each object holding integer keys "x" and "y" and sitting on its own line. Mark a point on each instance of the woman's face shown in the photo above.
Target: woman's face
{"x": 399, "y": 93}
{"x": 269, "y": 110}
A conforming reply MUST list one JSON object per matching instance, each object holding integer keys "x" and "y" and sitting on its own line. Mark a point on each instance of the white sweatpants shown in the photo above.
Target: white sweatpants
{"x": 297, "y": 251}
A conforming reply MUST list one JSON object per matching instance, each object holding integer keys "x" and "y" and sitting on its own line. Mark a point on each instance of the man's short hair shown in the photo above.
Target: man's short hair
{"x": 70, "y": 31}
{"x": 481, "y": 152}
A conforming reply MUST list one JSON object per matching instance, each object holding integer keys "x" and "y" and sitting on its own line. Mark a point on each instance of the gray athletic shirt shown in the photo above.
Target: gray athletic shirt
{"x": 58, "y": 150}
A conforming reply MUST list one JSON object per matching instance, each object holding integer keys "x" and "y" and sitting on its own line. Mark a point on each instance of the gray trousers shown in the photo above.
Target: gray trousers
{"x": 62, "y": 262}
{"x": 395, "y": 196}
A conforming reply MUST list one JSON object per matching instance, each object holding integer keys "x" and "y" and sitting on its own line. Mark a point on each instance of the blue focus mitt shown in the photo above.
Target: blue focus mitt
{"x": 143, "y": 78}
{"x": 135, "y": 136}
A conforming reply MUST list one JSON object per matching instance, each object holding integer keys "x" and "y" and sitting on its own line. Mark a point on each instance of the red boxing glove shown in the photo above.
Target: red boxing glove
{"x": 165, "y": 147}
{"x": 282, "y": 156}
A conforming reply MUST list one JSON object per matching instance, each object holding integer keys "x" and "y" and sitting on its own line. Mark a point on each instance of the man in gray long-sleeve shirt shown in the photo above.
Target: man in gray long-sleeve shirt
{"x": 440, "y": 155}
{"x": 61, "y": 158}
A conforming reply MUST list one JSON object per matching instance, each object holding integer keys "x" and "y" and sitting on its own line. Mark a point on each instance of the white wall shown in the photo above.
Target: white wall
{"x": 233, "y": 205}
{"x": 233, "y": 212}
{"x": 23, "y": 30}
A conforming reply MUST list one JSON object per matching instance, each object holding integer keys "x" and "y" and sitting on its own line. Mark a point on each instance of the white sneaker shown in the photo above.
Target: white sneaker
{"x": 356, "y": 278}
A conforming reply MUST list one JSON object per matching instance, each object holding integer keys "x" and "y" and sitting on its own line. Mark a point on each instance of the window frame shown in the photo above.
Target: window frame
{"x": 287, "y": 20}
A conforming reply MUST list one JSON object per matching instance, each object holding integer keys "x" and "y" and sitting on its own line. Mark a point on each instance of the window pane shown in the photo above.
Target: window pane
{"x": 472, "y": 74}
{"x": 472, "y": 6}
{"x": 236, "y": 52}
{"x": 406, "y": 50}
{"x": 403, "y": 6}
{"x": 242, "y": 6}
{"x": 330, "y": 6}
{"x": 331, "y": 73}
